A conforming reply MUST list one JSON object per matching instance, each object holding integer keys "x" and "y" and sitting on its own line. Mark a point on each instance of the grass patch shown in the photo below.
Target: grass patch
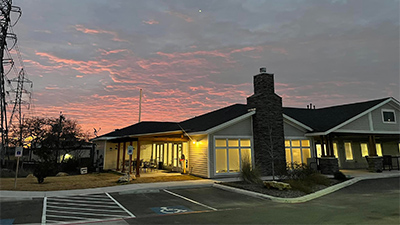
{"x": 93, "y": 180}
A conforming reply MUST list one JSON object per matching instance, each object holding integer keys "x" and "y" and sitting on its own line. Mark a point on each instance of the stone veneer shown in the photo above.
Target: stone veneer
{"x": 268, "y": 118}
{"x": 329, "y": 165}
{"x": 375, "y": 163}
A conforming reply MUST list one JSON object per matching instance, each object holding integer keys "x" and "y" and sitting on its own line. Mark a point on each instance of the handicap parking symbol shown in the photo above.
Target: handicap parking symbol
{"x": 170, "y": 209}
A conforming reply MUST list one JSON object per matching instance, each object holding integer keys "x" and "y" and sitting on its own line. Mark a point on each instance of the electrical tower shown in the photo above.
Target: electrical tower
{"x": 8, "y": 42}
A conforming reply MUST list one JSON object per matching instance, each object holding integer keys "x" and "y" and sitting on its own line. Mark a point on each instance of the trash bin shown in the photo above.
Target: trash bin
{"x": 160, "y": 165}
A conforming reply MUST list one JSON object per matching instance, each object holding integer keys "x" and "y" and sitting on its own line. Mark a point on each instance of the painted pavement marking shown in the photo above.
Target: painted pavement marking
{"x": 82, "y": 208}
{"x": 190, "y": 200}
{"x": 171, "y": 209}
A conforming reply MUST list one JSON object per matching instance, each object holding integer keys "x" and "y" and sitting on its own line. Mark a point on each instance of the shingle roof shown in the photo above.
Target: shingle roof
{"x": 146, "y": 127}
{"x": 326, "y": 118}
{"x": 214, "y": 118}
{"x": 196, "y": 124}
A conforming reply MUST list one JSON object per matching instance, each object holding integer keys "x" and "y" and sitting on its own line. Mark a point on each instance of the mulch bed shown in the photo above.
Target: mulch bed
{"x": 292, "y": 193}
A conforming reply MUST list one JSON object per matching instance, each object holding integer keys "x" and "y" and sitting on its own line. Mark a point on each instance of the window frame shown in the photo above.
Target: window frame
{"x": 351, "y": 150}
{"x": 227, "y": 147}
{"x": 394, "y": 116}
{"x": 301, "y": 147}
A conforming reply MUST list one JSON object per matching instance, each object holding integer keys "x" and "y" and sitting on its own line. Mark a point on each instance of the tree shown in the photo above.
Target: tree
{"x": 47, "y": 138}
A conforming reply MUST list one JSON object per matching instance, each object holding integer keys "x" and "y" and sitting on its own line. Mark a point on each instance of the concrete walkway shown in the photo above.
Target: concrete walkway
{"x": 147, "y": 187}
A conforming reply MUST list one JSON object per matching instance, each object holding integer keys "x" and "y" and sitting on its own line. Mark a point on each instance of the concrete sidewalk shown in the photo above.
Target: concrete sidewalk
{"x": 147, "y": 187}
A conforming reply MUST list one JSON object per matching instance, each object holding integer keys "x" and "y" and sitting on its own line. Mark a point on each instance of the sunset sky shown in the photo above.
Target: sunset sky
{"x": 89, "y": 58}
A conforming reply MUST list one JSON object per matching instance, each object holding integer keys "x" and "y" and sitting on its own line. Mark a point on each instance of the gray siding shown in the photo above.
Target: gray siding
{"x": 361, "y": 123}
{"x": 241, "y": 128}
{"x": 378, "y": 123}
{"x": 198, "y": 156}
{"x": 292, "y": 131}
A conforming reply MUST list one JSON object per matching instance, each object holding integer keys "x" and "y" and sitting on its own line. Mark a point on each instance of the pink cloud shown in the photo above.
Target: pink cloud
{"x": 181, "y": 16}
{"x": 151, "y": 22}
{"x": 85, "y": 30}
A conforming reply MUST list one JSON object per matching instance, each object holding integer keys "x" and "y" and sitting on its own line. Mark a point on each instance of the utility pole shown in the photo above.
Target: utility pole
{"x": 5, "y": 9}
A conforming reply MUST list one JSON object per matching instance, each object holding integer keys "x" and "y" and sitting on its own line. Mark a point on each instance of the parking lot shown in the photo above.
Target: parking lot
{"x": 369, "y": 201}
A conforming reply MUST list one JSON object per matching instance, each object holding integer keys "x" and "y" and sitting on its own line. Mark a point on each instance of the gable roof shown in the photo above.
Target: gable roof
{"x": 200, "y": 123}
{"x": 145, "y": 127}
{"x": 324, "y": 119}
{"x": 212, "y": 119}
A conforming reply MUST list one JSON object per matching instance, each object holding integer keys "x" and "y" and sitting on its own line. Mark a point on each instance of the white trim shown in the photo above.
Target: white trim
{"x": 302, "y": 125}
{"x": 371, "y": 123}
{"x": 226, "y": 137}
{"x": 367, "y": 131}
{"x": 224, "y": 125}
{"x": 394, "y": 116}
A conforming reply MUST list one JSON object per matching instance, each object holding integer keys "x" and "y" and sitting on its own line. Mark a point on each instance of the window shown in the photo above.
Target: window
{"x": 388, "y": 116}
{"x": 319, "y": 150}
{"x": 364, "y": 149}
{"x": 378, "y": 149}
{"x": 297, "y": 151}
{"x": 348, "y": 151}
{"x": 335, "y": 150}
{"x": 230, "y": 152}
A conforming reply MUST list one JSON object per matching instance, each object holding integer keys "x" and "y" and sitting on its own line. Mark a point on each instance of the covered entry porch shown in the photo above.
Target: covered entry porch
{"x": 151, "y": 154}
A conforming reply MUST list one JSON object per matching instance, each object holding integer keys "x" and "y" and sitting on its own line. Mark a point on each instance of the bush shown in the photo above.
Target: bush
{"x": 42, "y": 170}
{"x": 339, "y": 176}
{"x": 303, "y": 178}
{"x": 249, "y": 174}
{"x": 70, "y": 166}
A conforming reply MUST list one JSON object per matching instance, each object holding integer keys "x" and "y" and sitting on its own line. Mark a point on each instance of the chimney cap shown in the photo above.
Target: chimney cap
{"x": 263, "y": 70}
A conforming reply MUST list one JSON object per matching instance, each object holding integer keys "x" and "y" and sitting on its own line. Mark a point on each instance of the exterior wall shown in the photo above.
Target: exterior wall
{"x": 378, "y": 123}
{"x": 110, "y": 156}
{"x": 361, "y": 123}
{"x": 240, "y": 128}
{"x": 292, "y": 130}
{"x": 199, "y": 156}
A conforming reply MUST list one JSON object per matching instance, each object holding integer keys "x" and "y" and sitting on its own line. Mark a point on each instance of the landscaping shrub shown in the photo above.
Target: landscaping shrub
{"x": 42, "y": 170}
{"x": 70, "y": 166}
{"x": 303, "y": 178}
{"x": 249, "y": 174}
{"x": 339, "y": 176}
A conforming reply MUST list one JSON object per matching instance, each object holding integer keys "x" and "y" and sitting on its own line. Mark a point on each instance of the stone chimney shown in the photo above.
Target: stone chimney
{"x": 268, "y": 132}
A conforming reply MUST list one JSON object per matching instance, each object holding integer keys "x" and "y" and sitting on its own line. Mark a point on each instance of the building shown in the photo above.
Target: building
{"x": 262, "y": 131}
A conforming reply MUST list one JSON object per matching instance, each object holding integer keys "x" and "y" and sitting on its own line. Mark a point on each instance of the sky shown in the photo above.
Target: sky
{"x": 90, "y": 58}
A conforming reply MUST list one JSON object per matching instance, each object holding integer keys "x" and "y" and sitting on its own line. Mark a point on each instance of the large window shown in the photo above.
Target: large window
{"x": 297, "y": 151}
{"x": 348, "y": 151}
{"x": 230, "y": 152}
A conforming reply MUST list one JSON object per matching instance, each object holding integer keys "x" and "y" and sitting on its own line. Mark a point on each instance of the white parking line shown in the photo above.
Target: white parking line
{"x": 80, "y": 209}
{"x": 120, "y": 205}
{"x": 190, "y": 200}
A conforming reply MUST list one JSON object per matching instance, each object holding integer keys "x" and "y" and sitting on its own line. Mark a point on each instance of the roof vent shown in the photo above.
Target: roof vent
{"x": 263, "y": 70}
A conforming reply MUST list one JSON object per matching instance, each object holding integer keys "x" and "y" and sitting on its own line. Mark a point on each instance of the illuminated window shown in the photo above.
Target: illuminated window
{"x": 388, "y": 116}
{"x": 348, "y": 151}
{"x": 335, "y": 150}
{"x": 297, "y": 151}
{"x": 229, "y": 154}
{"x": 319, "y": 150}
{"x": 364, "y": 149}
{"x": 378, "y": 149}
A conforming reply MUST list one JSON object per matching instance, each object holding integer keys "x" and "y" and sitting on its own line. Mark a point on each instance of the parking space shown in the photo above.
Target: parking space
{"x": 183, "y": 201}
{"x": 82, "y": 208}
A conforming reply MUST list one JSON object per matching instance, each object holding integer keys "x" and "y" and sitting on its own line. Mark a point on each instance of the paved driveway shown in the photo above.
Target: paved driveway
{"x": 369, "y": 201}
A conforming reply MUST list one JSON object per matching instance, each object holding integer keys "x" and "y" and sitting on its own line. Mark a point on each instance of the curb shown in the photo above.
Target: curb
{"x": 305, "y": 198}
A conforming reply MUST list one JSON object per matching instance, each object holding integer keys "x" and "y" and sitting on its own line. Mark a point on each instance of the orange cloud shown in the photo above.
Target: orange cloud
{"x": 85, "y": 30}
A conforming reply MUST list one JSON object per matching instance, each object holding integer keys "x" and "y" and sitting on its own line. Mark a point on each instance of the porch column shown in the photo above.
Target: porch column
{"x": 330, "y": 144}
{"x": 372, "y": 146}
{"x": 123, "y": 157}
{"x": 119, "y": 144}
{"x": 138, "y": 159}
{"x": 130, "y": 160}
{"x": 322, "y": 146}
